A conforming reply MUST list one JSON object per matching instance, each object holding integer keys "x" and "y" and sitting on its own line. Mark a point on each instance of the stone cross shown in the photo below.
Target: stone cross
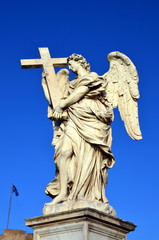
{"x": 48, "y": 64}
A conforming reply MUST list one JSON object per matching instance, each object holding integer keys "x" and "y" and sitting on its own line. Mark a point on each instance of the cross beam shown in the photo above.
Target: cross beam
{"x": 48, "y": 64}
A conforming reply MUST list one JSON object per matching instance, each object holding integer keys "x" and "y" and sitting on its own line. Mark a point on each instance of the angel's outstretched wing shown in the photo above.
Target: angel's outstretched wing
{"x": 122, "y": 91}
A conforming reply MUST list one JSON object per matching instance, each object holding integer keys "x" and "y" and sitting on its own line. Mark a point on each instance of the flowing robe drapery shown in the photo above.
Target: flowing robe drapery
{"x": 89, "y": 131}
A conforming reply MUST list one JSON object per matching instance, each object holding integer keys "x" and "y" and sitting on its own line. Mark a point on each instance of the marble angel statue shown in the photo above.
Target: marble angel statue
{"x": 83, "y": 139}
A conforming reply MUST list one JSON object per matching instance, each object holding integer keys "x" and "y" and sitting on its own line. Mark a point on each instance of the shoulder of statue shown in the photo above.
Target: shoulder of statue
{"x": 91, "y": 75}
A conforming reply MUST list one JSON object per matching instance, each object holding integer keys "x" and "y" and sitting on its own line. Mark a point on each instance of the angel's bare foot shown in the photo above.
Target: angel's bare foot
{"x": 60, "y": 198}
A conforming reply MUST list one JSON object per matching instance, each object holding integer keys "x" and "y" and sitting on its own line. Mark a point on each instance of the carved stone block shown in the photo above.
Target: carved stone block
{"x": 80, "y": 224}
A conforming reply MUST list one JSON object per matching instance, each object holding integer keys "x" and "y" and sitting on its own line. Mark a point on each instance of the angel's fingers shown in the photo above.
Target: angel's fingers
{"x": 60, "y": 115}
{"x": 56, "y": 116}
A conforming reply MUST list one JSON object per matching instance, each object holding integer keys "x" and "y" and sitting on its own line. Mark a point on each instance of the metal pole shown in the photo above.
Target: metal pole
{"x": 10, "y": 203}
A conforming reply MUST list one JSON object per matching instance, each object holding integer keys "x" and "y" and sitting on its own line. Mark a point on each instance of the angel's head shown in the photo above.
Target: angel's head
{"x": 75, "y": 61}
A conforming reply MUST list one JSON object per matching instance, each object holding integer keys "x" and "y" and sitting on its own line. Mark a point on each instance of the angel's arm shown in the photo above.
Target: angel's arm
{"x": 74, "y": 97}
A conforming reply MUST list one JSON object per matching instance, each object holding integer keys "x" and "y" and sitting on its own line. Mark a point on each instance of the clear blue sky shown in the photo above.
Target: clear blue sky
{"x": 93, "y": 29}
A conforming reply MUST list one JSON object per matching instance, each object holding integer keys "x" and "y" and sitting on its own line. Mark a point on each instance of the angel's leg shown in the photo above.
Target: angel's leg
{"x": 66, "y": 153}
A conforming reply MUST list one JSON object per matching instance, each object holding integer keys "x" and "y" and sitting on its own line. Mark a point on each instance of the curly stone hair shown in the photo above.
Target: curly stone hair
{"x": 80, "y": 59}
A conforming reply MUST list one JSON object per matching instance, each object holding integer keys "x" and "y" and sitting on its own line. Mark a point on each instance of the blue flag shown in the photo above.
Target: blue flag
{"x": 14, "y": 190}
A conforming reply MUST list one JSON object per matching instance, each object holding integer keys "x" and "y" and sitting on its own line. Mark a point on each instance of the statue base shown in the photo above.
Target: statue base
{"x": 79, "y": 224}
{"x": 72, "y": 205}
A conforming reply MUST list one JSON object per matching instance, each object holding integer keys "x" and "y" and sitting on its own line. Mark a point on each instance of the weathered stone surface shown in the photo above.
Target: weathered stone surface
{"x": 72, "y": 205}
{"x": 82, "y": 112}
{"x": 29, "y": 236}
{"x": 81, "y": 224}
{"x": 11, "y": 234}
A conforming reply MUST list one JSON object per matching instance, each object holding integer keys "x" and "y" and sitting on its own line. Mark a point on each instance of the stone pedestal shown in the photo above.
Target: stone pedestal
{"x": 79, "y": 224}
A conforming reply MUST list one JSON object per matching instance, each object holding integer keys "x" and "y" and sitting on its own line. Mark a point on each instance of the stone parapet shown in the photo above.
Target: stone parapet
{"x": 11, "y": 234}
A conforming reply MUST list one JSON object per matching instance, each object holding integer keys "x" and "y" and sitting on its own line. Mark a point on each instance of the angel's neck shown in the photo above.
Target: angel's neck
{"x": 82, "y": 73}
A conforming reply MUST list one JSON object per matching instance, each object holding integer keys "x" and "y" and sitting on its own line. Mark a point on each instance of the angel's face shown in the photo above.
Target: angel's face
{"x": 74, "y": 66}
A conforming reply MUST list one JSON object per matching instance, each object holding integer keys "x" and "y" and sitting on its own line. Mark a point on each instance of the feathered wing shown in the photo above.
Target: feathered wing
{"x": 63, "y": 82}
{"x": 122, "y": 91}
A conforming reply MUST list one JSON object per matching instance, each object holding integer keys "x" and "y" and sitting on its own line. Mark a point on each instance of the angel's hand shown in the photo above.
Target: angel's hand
{"x": 58, "y": 109}
{"x": 57, "y": 114}
{"x": 44, "y": 74}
